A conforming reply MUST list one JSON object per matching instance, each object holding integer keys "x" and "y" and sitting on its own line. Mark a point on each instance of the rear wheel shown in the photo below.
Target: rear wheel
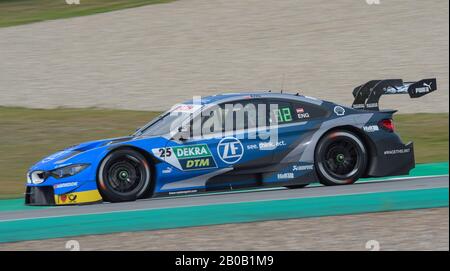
{"x": 340, "y": 158}
{"x": 124, "y": 175}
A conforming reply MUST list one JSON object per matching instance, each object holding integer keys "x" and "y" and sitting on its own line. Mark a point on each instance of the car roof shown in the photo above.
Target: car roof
{"x": 225, "y": 97}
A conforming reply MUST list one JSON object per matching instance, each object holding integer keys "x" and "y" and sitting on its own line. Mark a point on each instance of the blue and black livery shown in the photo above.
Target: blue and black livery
{"x": 316, "y": 141}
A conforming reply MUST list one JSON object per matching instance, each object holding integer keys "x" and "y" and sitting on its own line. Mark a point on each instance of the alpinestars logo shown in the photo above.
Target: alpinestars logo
{"x": 230, "y": 150}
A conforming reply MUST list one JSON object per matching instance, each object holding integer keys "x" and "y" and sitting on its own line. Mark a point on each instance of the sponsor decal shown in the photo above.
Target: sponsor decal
{"x": 301, "y": 114}
{"x": 78, "y": 197}
{"x": 303, "y": 168}
{"x": 183, "y": 192}
{"x": 65, "y": 185}
{"x": 400, "y": 151}
{"x": 230, "y": 150}
{"x": 194, "y": 151}
{"x": 72, "y": 197}
{"x": 339, "y": 110}
{"x": 186, "y": 108}
{"x": 358, "y": 106}
{"x": 68, "y": 198}
{"x": 187, "y": 157}
{"x": 197, "y": 163}
{"x": 371, "y": 128}
{"x": 422, "y": 90}
{"x": 264, "y": 146}
{"x": 288, "y": 175}
{"x": 425, "y": 89}
{"x": 252, "y": 147}
{"x": 271, "y": 145}
{"x": 372, "y": 105}
{"x": 427, "y": 85}
{"x": 167, "y": 170}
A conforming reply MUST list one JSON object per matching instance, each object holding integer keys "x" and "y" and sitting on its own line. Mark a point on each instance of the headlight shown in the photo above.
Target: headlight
{"x": 36, "y": 177}
{"x": 68, "y": 171}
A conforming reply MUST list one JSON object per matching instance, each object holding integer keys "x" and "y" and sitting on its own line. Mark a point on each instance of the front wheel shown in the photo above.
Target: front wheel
{"x": 124, "y": 175}
{"x": 340, "y": 158}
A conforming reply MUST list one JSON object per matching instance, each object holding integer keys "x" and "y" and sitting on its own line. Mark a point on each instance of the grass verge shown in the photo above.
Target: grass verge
{"x": 27, "y": 135}
{"x": 15, "y": 12}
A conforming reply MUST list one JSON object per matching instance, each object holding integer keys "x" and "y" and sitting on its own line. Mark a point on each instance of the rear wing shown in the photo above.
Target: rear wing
{"x": 368, "y": 95}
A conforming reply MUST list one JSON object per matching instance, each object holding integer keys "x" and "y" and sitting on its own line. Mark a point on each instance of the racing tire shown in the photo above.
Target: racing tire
{"x": 124, "y": 175}
{"x": 340, "y": 158}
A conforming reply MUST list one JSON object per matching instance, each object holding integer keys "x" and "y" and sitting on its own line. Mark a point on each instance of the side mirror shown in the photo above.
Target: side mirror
{"x": 184, "y": 133}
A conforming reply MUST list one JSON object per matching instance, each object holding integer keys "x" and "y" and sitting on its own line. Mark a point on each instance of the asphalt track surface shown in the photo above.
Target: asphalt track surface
{"x": 233, "y": 197}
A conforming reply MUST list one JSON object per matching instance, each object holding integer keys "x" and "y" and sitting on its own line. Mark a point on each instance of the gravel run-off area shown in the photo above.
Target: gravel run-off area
{"x": 151, "y": 57}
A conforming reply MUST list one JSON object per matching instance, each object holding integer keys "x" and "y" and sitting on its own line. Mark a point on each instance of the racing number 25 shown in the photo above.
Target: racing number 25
{"x": 165, "y": 152}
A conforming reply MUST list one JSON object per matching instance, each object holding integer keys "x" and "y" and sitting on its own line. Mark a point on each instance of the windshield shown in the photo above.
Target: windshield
{"x": 168, "y": 121}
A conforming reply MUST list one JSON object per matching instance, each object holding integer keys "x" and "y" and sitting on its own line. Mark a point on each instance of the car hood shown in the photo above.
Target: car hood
{"x": 61, "y": 158}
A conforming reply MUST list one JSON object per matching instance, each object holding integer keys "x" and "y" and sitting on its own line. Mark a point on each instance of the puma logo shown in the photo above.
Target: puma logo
{"x": 428, "y": 85}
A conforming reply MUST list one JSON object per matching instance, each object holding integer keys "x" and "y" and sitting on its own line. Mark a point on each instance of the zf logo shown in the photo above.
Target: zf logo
{"x": 73, "y": 2}
{"x": 230, "y": 150}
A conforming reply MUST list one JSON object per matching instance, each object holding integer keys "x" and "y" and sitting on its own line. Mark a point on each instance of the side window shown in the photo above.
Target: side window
{"x": 212, "y": 120}
{"x": 243, "y": 114}
{"x": 283, "y": 112}
{"x": 305, "y": 111}
{"x": 233, "y": 116}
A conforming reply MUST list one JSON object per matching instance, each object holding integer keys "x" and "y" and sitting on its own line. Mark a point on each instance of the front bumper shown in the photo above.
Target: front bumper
{"x": 45, "y": 196}
{"x": 39, "y": 195}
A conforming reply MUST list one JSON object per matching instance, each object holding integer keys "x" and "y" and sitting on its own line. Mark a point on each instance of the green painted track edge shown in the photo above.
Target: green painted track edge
{"x": 129, "y": 221}
{"x": 432, "y": 169}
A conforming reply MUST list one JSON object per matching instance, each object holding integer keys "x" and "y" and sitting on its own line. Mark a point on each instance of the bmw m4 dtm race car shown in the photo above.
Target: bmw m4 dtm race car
{"x": 232, "y": 141}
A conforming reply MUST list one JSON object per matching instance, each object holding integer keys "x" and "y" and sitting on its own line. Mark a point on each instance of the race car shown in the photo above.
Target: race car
{"x": 233, "y": 141}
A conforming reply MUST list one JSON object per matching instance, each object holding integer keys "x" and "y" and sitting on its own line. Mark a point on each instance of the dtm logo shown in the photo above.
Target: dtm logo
{"x": 230, "y": 150}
